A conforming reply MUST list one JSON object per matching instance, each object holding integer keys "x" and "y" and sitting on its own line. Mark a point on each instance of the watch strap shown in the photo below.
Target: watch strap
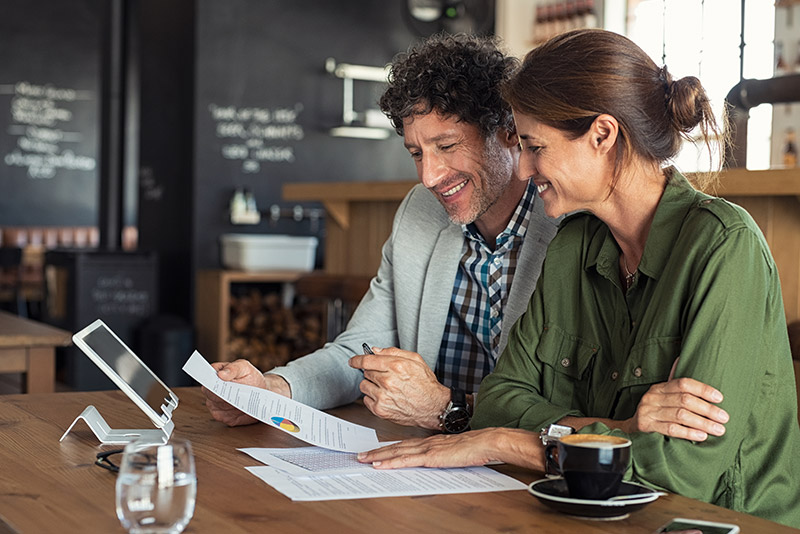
{"x": 554, "y": 432}
{"x": 458, "y": 397}
{"x": 458, "y": 403}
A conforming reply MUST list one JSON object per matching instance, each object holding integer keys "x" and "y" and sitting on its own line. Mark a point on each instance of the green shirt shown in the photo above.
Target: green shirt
{"x": 708, "y": 292}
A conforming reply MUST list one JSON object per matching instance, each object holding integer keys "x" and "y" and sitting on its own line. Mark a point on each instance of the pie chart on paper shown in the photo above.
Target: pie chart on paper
{"x": 285, "y": 424}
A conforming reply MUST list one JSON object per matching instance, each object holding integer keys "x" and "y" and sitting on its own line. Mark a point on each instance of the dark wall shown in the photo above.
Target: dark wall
{"x": 267, "y": 57}
{"x": 196, "y": 61}
{"x": 166, "y": 50}
{"x": 49, "y": 107}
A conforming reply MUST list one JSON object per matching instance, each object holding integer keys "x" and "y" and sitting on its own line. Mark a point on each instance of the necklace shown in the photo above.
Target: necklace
{"x": 629, "y": 276}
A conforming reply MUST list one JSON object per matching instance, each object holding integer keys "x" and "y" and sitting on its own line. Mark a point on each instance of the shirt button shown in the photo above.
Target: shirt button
{"x": 494, "y": 312}
{"x": 498, "y": 261}
{"x": 614, "y": 375}
{"x": 637, "y": 372}
{"x": 566, "y": 362}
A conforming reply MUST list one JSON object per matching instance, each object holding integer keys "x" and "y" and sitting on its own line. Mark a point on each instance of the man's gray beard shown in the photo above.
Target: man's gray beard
{"x": 479, "y": 212}
{"x": 494, "y": 166}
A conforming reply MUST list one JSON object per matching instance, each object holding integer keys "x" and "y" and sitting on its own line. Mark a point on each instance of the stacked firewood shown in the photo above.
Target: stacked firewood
{"x": 268, "y": 334}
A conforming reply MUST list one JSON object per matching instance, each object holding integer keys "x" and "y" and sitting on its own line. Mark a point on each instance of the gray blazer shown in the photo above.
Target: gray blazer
{"x": 408, "y": 300}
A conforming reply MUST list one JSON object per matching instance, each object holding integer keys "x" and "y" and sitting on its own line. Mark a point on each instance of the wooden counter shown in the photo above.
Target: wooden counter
{"x": 770, "y": 182}
{"x": 772, "y": 197}
{"x": 360, "y": 218}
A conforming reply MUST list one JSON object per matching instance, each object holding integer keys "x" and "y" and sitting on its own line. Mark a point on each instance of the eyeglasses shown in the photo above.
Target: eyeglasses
{"x": 142, "y": 460}
{"x": 104, "y": 462}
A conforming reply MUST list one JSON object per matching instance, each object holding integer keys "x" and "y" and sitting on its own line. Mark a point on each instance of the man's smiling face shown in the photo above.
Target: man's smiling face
{"x": 467, "y": 172}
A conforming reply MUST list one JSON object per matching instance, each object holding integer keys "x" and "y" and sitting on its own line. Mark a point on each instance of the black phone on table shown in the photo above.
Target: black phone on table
{"x": 696, "y": 526}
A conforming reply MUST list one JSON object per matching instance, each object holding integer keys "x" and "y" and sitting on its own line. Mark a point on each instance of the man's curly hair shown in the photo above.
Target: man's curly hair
{"x": 455, "y": 75}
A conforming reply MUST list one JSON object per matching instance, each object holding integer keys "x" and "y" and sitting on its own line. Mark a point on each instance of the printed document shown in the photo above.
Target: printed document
{"x": 307, "y": 461}
{"x": 297, "y": 419}
{"x": 370, "y": 483}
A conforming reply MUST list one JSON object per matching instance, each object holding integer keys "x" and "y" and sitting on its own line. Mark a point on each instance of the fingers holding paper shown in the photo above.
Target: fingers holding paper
{"x": 399, "y": 386}
{"x": 242, "y": 372}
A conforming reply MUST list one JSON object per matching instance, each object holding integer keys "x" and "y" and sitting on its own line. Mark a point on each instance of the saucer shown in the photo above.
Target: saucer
{"x": 554, "y": 493}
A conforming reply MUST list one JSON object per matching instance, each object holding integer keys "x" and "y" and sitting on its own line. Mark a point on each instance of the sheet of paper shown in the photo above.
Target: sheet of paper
{"x": 305, "y": 461}
{"x": 386, "y": 483}
{"x": 297, "y": 419}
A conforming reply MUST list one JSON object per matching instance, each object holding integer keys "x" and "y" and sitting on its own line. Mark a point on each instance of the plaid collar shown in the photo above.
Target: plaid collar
{"x": 517, "y": 225}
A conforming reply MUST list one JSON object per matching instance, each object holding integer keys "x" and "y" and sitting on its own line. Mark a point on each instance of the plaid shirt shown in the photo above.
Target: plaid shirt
{"x": 471, "y": 340}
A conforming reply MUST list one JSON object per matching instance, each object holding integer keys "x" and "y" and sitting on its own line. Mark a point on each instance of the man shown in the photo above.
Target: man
{"x": 459, "y": 267}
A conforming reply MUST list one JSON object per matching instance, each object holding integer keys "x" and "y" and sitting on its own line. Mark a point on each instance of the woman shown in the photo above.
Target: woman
{"x": 650, "y": 278}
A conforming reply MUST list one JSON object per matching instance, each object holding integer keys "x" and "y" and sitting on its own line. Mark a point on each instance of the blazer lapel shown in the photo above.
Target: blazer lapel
{"x": 437, "y": 291}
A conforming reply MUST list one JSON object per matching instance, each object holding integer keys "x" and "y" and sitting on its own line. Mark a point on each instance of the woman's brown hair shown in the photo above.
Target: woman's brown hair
{"x": 576, "y": 76}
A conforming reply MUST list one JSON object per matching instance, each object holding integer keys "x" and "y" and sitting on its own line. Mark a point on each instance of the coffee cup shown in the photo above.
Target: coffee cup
{"x": 591, "y": 464}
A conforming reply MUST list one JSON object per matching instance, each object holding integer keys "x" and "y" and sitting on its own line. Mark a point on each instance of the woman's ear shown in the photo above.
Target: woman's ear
{"x": 603, "y": 132}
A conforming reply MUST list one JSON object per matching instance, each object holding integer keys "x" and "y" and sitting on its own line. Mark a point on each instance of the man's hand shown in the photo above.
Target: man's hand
{"x": 681, "y": 408}
{"x": 399, "y": 386}
{"x": 242, "y": 372}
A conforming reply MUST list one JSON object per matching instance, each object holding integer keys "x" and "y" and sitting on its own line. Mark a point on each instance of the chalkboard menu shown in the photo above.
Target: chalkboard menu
{"x": 265, "y": 104}
{"x": 49, "y": 94}
{"x": 119, "y": 287}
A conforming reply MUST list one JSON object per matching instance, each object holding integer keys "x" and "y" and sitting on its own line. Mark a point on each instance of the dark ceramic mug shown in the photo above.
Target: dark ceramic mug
{"x": 592, "y": 464}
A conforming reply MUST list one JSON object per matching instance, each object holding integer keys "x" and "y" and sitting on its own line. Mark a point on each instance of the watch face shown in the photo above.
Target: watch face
{"x": 457, "y": 420}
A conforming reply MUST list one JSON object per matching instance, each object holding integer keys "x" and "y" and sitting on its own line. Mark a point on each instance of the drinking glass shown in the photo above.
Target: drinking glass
{"x": 156, "y": 487}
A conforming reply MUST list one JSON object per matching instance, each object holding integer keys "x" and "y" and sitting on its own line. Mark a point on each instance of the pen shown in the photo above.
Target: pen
{"x": 366, "y": 348}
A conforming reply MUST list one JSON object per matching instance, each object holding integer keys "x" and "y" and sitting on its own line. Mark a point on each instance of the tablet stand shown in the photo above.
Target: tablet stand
{"x": 109, "y": 436}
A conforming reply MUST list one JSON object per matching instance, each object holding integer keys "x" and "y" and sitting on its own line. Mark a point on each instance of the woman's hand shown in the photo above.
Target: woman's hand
{"x": 476, "y": 447}
{"x": 442, "y": 450}
{"x": 681, "y": 408}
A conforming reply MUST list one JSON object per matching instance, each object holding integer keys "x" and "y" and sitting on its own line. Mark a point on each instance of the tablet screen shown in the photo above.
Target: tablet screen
{"x": 129, "y": 367}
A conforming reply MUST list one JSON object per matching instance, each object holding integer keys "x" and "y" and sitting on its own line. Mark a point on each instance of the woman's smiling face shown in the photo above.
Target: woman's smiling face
{"x": 570, "y": 174}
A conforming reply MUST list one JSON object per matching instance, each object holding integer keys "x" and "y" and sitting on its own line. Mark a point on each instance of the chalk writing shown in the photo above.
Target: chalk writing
{"x": 118, "y": 295}
{"x": 149, "y": 187}
{"x": 255, "y": 135}
{"x": 39, "y": 115}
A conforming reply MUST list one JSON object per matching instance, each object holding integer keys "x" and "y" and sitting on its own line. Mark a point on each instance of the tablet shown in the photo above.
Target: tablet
{"x": 127, "y": 371}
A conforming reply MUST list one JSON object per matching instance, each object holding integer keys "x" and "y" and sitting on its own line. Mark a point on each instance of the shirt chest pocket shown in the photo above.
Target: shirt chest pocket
{"x": 649, "y": 363}
{"x": 566, "y": 364}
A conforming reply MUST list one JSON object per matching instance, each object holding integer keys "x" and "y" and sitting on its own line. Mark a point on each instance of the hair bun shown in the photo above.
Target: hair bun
{"x": 687, "y": 102}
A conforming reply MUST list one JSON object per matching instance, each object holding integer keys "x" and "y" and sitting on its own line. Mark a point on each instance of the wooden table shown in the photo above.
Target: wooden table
{"x": 49, "y": 486}
{"x": 29, "y": 347}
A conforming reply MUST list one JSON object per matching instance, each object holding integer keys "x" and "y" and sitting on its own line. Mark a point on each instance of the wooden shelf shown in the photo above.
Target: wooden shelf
{"x": 212, "y": 305}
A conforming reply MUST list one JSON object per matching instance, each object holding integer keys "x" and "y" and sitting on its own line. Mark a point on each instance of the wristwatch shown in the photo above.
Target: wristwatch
{"x": 554, "y": 431}
{"x": 455, "y": 418}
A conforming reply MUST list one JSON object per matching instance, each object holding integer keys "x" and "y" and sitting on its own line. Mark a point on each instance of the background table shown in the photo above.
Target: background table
{"x": 47, "y": 486}
{"x": 29, "y": 347}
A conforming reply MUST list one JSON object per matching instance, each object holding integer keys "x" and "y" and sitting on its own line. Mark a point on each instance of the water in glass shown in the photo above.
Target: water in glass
{"x": 156, "y": 487}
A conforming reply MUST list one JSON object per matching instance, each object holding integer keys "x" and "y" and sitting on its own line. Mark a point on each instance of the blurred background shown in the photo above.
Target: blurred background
{"x": 151, "y": 153}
